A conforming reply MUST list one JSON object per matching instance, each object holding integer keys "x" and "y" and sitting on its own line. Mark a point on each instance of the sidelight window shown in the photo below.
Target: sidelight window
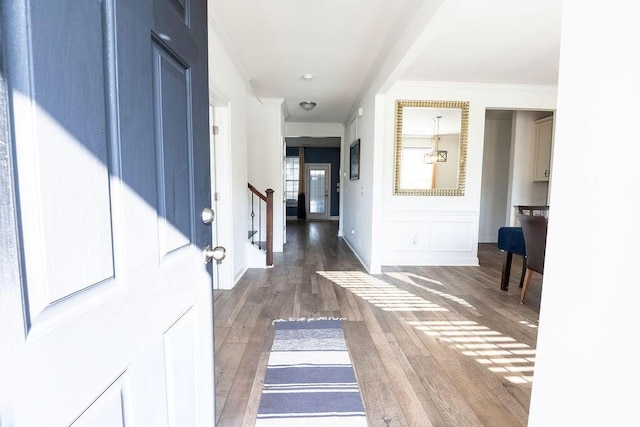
{"x": 292, "y": 179}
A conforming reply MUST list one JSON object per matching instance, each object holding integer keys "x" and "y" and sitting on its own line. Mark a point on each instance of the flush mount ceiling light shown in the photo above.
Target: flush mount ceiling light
{"x": 308, "y": 105}
{"x": 307, "y": 77}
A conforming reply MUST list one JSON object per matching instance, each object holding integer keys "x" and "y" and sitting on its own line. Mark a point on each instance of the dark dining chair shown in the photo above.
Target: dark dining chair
{"x": 534, "y": 229}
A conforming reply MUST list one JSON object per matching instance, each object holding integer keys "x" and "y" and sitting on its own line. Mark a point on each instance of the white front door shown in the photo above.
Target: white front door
{"x": 107, "y": 312}
{"x": 318, "y": 183}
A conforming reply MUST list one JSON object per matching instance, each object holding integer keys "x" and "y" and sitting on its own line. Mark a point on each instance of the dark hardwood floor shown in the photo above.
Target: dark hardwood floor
{"x": 441, "y": 346}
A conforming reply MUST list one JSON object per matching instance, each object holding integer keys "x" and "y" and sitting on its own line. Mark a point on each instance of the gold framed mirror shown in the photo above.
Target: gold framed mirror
{"x": 430, "y": 147}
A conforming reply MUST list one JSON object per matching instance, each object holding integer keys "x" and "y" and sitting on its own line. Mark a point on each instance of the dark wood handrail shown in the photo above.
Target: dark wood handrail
{"x": 257, "y": 192}
{"x": 268, "y": 199}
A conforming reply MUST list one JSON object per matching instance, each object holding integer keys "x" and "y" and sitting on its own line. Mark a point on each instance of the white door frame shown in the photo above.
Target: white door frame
{"x": 307, "y": 169}
{"x": 284, "y": 191}
{"x": 221, "y": 192}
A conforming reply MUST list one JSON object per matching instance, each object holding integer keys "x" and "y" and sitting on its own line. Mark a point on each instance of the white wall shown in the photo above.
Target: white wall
{"x": 265, "y": 157}
{"x": 358, "y": 195}
{"x": 231, "y": 90}
{"x": 587, "y": 360}
{"x": 316, "y": 130}
{"x": 423, "y": 230}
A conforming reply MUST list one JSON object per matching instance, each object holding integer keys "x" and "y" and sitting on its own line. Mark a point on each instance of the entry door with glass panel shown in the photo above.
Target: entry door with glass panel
{"x": 318, "y": 183}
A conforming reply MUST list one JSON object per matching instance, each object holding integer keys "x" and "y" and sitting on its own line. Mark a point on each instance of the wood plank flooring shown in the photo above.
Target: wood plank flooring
{"x": 431, "y": 346}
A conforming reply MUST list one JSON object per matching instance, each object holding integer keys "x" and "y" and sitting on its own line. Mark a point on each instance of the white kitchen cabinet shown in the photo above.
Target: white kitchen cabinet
{"x": 542, "y": 155}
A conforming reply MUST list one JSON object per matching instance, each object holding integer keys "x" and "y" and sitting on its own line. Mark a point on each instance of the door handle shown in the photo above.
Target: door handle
{"x": 208, "y": 215}
{"x": 218, "y": 253}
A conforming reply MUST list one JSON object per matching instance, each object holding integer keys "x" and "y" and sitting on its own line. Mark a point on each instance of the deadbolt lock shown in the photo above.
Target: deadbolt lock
{"x": 208, "y": 215}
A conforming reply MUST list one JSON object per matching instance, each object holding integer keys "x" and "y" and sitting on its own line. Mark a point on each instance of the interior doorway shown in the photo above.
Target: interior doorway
{"x": 508, "y": 168}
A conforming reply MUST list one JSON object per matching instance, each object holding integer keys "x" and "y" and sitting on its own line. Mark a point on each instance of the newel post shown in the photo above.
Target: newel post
{"x": 269, "y": 226}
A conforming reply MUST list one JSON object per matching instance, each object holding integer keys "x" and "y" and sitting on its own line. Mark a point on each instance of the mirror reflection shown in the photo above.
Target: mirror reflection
{"x": 431, "y": 147}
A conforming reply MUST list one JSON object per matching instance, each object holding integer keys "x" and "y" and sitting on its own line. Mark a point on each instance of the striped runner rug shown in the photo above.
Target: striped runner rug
{"x": 310, "y": 380}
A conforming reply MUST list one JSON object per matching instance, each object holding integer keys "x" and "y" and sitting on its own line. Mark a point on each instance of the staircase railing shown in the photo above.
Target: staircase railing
{"x": 261, "y": 228}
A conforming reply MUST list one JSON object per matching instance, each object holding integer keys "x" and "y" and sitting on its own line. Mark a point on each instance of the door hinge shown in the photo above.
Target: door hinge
{"x": 215, "y": 129}
{"x": 216, "y": 196}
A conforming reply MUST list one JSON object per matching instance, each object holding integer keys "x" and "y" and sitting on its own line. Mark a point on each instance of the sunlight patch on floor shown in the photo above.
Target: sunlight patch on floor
{"x": 529, "y": 324}
{"x": 408, "y": 278}
{"x": 379, "y": 293}
{"x": 498, "y": 353}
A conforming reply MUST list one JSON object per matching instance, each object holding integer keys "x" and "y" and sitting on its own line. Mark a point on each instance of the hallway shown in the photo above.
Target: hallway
{"x": 440, "y": 346}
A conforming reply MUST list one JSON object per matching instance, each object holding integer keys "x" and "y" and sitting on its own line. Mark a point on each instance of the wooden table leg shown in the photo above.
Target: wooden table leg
{"x": 524, "y": 270}
{"x": 506, "y": 271}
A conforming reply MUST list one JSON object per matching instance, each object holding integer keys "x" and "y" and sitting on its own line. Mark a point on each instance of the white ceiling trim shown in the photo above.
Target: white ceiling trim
{"x": 214, "y": 26}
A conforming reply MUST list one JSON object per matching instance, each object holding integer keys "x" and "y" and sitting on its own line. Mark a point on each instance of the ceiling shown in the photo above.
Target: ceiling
{"x": 350, "y": 45}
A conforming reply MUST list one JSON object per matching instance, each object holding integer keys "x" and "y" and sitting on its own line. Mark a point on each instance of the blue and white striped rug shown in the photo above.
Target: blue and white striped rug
{"x": 310, "y": 380}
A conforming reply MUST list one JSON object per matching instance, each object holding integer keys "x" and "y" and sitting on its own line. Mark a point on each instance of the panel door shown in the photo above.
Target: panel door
{"x": 318, "y": 182}
{"x": 108, "y": 318}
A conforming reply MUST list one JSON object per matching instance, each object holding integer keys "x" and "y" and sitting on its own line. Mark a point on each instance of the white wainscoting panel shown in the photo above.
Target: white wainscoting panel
{"x": 428, "y": 238}
{"x": 450, "y": 236}
{"x": 406, "y": 236}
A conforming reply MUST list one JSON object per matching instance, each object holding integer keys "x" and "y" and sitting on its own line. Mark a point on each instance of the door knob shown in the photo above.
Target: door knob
{"x": 208, "y": 215}
{"x": 218, "y": 253}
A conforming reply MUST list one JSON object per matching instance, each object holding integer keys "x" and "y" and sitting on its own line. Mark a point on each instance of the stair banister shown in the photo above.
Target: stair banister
{"x": 268, "y": 200}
